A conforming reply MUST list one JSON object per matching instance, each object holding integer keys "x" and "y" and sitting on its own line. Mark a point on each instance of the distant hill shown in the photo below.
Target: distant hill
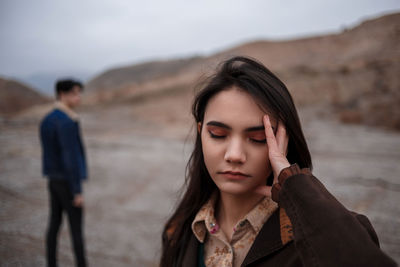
{"x": 133, "y": 81}
{"x": 15, "y": 97}
{"x": 355, "y": 72}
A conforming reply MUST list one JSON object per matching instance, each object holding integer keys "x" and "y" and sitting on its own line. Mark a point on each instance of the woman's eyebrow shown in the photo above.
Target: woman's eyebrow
{"x": 250, "y": 129}
{"x": 258, "y": 128}
{"x": 255, "y": 128}
{"x": 219, "y": 124}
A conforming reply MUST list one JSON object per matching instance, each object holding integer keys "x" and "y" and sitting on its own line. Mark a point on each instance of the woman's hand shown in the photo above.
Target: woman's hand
{"x": 277, "y": 149}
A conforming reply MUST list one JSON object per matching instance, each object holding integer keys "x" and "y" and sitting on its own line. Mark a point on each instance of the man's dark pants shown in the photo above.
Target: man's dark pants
{"x": 61, "y": 200}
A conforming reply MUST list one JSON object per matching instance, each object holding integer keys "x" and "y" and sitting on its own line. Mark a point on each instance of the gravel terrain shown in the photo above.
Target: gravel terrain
{"x": 136, "y": 171}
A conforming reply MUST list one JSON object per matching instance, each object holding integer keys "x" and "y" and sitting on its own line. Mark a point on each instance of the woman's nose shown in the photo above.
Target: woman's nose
{"x": 235, "y": 152}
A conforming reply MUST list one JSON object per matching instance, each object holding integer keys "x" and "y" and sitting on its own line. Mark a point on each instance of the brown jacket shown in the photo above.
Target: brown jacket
{"x": 325, "y": 232}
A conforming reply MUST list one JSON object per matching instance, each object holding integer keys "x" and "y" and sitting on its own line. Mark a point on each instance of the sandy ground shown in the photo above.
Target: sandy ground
{"x": 137, "y": 167}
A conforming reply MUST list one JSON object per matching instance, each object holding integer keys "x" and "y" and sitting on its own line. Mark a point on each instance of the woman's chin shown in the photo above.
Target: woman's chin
{"x": 236, "y": 189}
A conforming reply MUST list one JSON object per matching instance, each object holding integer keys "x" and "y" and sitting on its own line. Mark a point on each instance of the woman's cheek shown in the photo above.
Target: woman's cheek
{"x": 213, "y": 153}
{"x": 261, "y": 164}
{"x": 209, "y": 153}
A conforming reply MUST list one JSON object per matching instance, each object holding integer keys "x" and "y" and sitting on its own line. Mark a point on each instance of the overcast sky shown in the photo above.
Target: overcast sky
{"x": 90, "y": 36}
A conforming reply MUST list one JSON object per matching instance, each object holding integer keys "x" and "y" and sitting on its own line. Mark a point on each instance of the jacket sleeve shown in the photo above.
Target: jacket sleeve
{"x": 325, "y": 232}
{"x": 69, "y": 143}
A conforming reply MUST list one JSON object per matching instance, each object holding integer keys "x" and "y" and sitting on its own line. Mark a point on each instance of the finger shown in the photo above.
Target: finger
{"x": 264, "y": 190}
{"x": 282, "y": 138}
{"x": 269, "y": 133}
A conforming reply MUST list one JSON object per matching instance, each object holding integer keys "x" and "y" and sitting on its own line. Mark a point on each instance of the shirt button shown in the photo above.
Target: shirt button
{"x": 213, "y": 228}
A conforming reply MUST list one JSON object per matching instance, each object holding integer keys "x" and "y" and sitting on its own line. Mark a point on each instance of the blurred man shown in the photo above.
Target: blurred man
{"x": 64, "y": 165}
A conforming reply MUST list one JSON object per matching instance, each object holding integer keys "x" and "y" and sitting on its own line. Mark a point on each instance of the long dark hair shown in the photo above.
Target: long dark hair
{"x": 272, "y": 96}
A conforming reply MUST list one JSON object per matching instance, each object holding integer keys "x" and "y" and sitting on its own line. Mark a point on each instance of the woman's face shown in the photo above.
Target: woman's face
{"x": 233, "y": 142}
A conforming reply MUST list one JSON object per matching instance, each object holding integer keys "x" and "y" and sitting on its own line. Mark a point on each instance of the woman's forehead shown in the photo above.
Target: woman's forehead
{"x": 234, "y": 107}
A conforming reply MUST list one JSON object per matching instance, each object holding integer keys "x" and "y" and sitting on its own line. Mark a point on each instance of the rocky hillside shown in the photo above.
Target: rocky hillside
{"x": 15, "y": 97}
{"x": 353, "y": 73}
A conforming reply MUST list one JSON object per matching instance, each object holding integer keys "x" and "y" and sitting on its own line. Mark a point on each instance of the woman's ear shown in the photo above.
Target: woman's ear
{"x": 199, "y": 127}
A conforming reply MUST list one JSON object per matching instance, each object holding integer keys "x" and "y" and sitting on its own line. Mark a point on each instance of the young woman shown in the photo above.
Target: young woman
{"x": 251, "y": 199}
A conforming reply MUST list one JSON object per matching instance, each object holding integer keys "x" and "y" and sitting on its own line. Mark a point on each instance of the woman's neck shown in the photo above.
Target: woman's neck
{"x": 231, "y": 208}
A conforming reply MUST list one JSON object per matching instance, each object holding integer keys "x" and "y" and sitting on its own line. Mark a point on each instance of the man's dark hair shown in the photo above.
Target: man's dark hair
{"x": 65, "y": 86}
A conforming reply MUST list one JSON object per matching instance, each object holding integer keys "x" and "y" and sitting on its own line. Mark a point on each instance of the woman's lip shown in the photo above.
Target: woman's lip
{"x": 234, "y": 175}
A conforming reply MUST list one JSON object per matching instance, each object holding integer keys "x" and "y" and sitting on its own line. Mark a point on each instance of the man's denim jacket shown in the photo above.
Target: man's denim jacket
{"x": 63, "y": 152}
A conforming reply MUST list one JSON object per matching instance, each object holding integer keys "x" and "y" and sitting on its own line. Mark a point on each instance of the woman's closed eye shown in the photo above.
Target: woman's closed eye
{"x": 217, "y": 134}
{"x": 258, "y": 138}
{"x": 263, "y": 141}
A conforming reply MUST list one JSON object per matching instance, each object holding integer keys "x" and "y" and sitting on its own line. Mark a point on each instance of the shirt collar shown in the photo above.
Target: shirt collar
{"x": 67, "y": 110}
{"x": 205, "y": 221}
{"x": 260, "y": 213}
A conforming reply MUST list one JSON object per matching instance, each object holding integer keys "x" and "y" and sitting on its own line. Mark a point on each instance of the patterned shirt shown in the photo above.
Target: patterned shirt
{"x": 218, "y": 250}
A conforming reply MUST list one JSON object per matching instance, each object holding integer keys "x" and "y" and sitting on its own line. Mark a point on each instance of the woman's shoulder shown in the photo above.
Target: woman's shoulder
{"x": 365, "y": 222}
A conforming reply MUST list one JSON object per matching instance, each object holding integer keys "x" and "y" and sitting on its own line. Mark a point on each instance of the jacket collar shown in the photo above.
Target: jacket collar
{"x": 190, "y": 255}
{"x": 274, "y": 235}
{"x": 64, "y": 108}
